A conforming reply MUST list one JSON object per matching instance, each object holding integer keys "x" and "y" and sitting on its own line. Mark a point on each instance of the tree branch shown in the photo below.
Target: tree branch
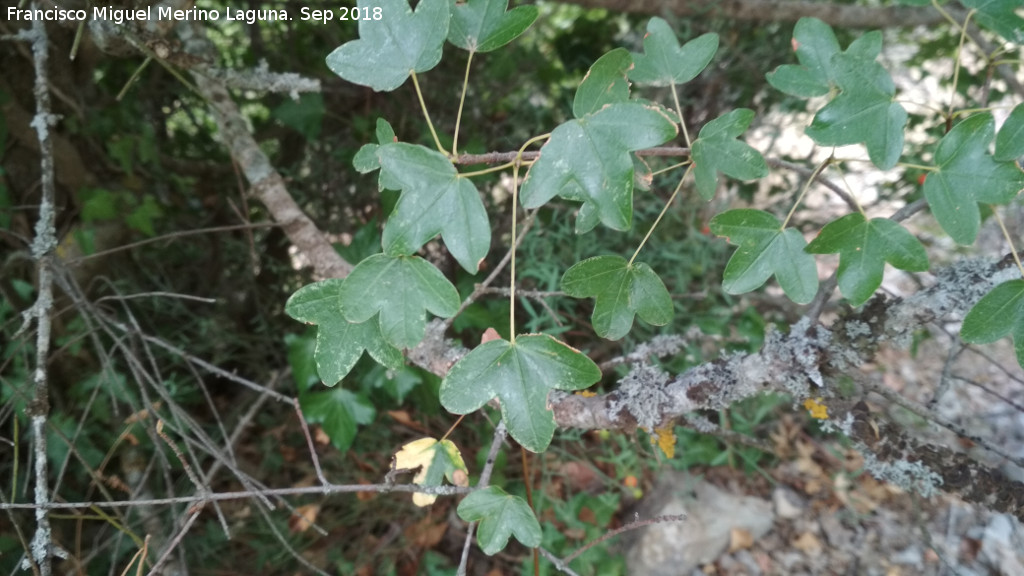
{"x": 267, "y": 184}
{"x": 839, "y": 15}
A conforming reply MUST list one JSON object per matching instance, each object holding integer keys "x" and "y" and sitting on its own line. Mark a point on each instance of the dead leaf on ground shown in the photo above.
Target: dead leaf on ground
{"x": 426, "y": 533}
{"x": 303, "y": 518}
{"x": 740, "y": 539}
{"x": 321, "y": 437}
{"x": 808, "y": 543}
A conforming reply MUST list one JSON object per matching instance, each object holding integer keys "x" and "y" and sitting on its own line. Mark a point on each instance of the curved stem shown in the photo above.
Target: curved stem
{"x": 679, "y": 112}
{"x": 663, "y": 210}
{"x": 803, "y": 191}
{"x": 426, "y": 115}
{"x": 512, "y": 262}
{"x": 1009, "y": 240}
{"x": 462, "y": 100}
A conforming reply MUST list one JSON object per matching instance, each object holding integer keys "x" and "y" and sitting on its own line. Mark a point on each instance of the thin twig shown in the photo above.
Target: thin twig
{"x": 309, "y": 443}
{"x": 485, "y": 479}
{"x": 243, "y": 494}
{"x": 169, "y": 237}
{"x": 636, "y": 523}
{"x": 43, "y": 247}
{"x": 494, "y": 273}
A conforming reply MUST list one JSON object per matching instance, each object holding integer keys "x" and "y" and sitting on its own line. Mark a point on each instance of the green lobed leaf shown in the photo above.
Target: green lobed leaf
{"x": 1000, "y": 16}
{"x": 621, "y": 291}
{"x": 966, "y": 175}
{"x": 765, "y": 249}
{"x": 864, "y": 246}
{"x": 521, "y": 375}
{"x": 717, "y": 150}
{"x": 605, "y": 83}
{"x": 435, "y": 200}
{"x": 339, "y": 343}
{"x": 1010, "y": 140}
{"x": 500, "y": 515}
{"x": 339, "y": 412}
{"x": 391, "y": 48}
{"x": 365, "y": 160}
{"x": 998, "y": 314}
{"x": 401, "y": 289}
{"x": 815, "y": 44}
{"x": 484, "y": 25}
{"x": 863, "y": 112}
{"x": 665, "y": 63}
{"x": 588, "y": 160}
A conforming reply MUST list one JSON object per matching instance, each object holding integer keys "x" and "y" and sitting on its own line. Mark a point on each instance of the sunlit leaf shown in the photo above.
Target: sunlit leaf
{"x": 500, "y": 515}
{"x": 968, "y": 174}
{"x": 435, "y": 200}
{"x": 664, "y": 62}
{"x": 864, "y": 246}
{"x": 402, "y": 289}
{"x": 621, "y": 290}
{"x": 998, "y": 314}
{"x": 588, "y": 160}
{"x": 765, "y": 249}
{"x": 716, "y": 150}
{"x": 399, "y": 43}
{"x": 521, "y": 375}
{"x": 484, "y": 25}
{"x": 339, "y": 343}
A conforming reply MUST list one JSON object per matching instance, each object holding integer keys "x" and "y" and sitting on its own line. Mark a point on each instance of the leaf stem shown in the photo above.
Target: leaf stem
{"x": 426, "y": 115}
{"x": 1009, "y": 240}
{"x": 807, "y": 185}
{"x": 959, "y": 53}
{"x": 452, "y": 429}
{"x": 512, "y": 262}
{"x": 499, "y": 168}
{"x": 663, "y": 210}
{"x": 672, "y": 167}
{"x": 462, "y": 100}
{"x": 849, "y": 191}
{"x": 679, "y": 112}
{"x": 918, "y": 167}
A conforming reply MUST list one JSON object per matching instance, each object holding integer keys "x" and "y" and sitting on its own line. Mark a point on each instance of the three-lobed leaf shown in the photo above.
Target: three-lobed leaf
{"x": 764, "y": 249}
{"x": 1010, "y": 140}
{"x": 390, "y": 49}
{"x": 500, "y": 515}
{"x": 717, "y": 150}
{"x": 864, "y": 111}
{"x": 864, "y": 246}
{"x": 520, "y": 374}
{"x": 605, "y": 83}
{"x": 998, "y": 314}
{"x": 664, "y": 62}
{"x": 484, "y": 25}
{"x": 587, "y": 160}
{"x": 815, "y": 44}
{"x": 968, "y": 174}
{"x": 1000, "y": 16}
{"x": 401, "y": 288}
{"x": 339, "y": 412}
{"x": 621, "y": 291}
{"x": 339, "y": 343}
{"x": 436, "y": 461}
{"x": 435, "y": 200}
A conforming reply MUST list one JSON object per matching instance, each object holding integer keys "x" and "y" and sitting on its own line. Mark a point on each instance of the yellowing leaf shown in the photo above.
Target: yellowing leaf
{"x": 816, "y": 408}
{"x": 436, "y": 461}
{"x": 665, "y": 438}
